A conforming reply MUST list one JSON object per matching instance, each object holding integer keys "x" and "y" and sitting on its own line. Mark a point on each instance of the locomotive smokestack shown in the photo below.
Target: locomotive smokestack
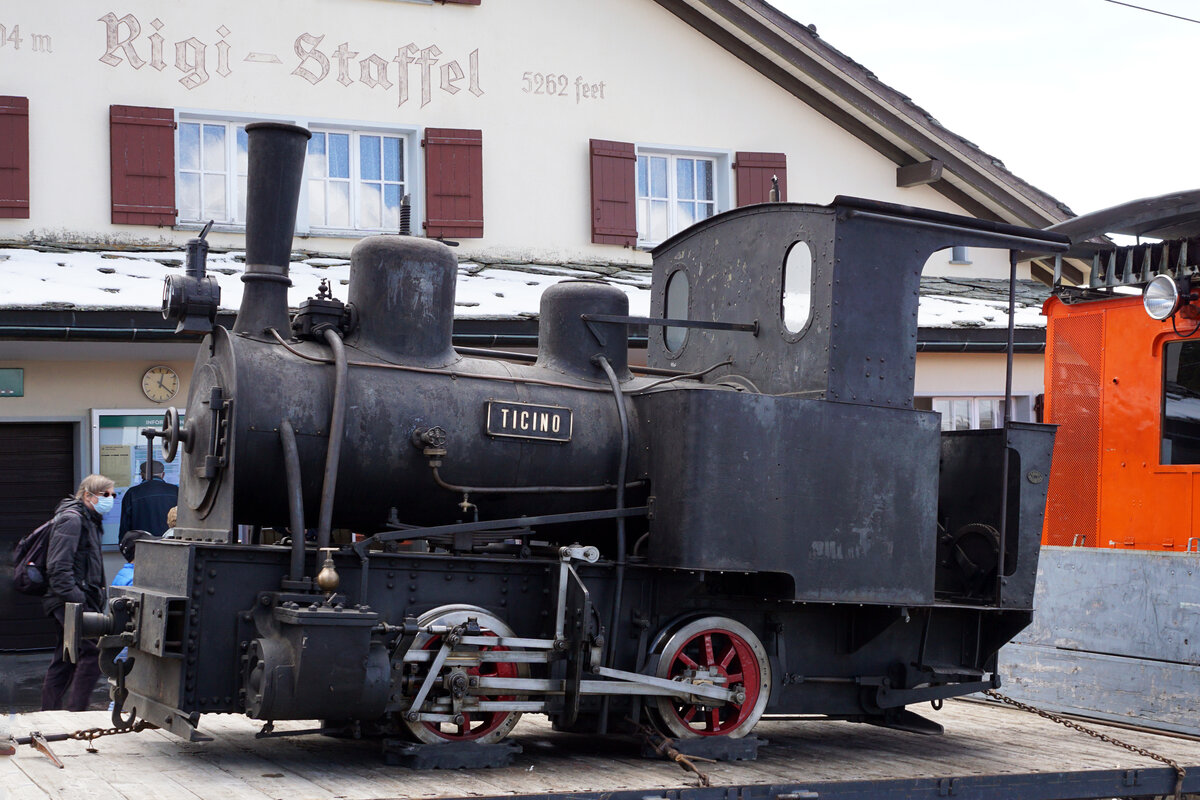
{"x": 275, "y": 175}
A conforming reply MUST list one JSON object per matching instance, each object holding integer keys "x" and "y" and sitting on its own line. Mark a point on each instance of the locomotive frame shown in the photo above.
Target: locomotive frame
{"x": 760, "y": 523}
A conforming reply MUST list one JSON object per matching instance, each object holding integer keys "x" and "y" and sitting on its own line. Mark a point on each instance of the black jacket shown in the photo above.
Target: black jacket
{"x": 144, "y": 507}
{"x": 74, "y": 568}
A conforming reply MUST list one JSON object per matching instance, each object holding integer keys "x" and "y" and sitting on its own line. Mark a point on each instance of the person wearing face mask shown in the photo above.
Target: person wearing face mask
{"x": 75, "y": 574}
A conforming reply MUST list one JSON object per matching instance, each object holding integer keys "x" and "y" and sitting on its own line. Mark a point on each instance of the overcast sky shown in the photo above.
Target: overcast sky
{"x": 1093, "y": 102}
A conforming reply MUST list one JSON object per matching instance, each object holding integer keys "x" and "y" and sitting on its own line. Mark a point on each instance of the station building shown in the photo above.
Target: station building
{"x": 545, "y": 140}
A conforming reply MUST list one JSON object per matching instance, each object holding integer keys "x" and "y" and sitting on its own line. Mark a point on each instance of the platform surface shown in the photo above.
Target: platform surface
{"x": 980, "y": 739}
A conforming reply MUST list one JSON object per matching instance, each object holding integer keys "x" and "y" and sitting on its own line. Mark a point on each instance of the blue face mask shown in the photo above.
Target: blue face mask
{"x": 103, "y": 505}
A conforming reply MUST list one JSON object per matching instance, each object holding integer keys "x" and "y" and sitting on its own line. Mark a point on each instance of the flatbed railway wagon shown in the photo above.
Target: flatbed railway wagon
{"x": 989, "y": 752}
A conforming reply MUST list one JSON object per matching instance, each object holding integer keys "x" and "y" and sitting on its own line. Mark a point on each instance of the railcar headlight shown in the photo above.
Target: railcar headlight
{"x": 1161, "y": 297}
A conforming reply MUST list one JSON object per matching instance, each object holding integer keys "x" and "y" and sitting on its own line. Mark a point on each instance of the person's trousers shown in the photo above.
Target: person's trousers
{"x": 68, "y": 685}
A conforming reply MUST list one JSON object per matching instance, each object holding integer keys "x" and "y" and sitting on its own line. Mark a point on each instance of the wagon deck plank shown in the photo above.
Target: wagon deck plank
{"x": 981, "y": 739}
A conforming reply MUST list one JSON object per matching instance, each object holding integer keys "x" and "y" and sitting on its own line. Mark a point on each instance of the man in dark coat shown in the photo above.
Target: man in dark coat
{"x": 75, "y": 574}
{"x": 144, "y": 507}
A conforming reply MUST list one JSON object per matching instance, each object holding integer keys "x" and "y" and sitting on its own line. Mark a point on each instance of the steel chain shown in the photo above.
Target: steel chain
{"x": 662, "y": 745}
{"x": 90, "y": 735}
{"x": 1141, "y": 751}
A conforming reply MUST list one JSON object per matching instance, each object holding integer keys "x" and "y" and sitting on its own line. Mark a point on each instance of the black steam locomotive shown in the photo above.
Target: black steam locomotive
{"x": 757, "y": 522}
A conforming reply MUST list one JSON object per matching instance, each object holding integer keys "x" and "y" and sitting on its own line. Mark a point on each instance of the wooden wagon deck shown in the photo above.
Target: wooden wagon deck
{"x": 988, "y": 751}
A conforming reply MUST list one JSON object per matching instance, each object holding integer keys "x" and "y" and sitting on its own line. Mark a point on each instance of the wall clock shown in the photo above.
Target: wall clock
{"x": 160, "y": 384}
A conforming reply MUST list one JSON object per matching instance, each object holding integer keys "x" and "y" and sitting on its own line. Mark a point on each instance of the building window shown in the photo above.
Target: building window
{"x": 674, "y": 191}
{"x": 970, "y": 413}
{"x": 212, "y": 172}
{"x": 356, "y": 180}
{"x": 973, "y": 413}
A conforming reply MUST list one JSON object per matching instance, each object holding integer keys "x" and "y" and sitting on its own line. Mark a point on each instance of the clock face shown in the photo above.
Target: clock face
{"x": 160, "y": 384}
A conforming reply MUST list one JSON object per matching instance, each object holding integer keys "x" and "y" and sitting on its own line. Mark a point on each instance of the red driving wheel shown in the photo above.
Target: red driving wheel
{"x": 721, "y": 652}
{"x": 484, "y": 727}
{"x": 475, "y": 725}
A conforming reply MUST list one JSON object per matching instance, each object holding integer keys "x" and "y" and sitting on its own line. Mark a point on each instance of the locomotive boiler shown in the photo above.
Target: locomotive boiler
{"x": 757, "y": 522}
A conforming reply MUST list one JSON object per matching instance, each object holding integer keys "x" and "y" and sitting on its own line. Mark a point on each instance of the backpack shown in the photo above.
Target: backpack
{"x": 29, "y": 561}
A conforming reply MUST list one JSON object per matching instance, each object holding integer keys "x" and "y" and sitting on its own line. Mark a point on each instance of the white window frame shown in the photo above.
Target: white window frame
{"x": 355, "y": 180}
{"x": 414, "y": 168}
{"x": 1022, "y": 410}
{"x": 722, "y": 161}
{"x": 232, "y": 171}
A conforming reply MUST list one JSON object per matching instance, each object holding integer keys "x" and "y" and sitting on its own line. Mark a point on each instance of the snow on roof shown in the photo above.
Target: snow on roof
{"x": 55, "y": 278}
{"x": 979, "y": 303}
{"x": 93, "y": 280}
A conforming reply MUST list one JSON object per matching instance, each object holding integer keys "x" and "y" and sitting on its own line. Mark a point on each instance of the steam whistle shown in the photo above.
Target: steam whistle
{"x": 192, "y": 299}
{"x": 328, "y": 578}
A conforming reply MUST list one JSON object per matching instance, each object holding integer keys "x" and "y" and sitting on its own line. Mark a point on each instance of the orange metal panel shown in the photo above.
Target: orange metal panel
{"x": 1073, "y": 367}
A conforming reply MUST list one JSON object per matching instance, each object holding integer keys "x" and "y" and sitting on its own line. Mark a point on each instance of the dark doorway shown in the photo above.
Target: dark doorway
{"x": 37, "y": 469}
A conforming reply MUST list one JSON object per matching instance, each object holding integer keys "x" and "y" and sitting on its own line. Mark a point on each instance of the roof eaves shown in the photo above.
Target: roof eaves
{"x": 853, "y": 97}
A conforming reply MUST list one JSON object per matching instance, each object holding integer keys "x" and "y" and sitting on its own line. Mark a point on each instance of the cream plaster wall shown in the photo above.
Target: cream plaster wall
{"x": 663, "y": 82}
{"x": 69, "y": 390}
{"x": 948, "y": 374}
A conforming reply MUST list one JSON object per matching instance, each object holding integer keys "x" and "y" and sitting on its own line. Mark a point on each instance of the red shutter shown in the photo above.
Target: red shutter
{"x": 614, "y": 210}
{"x": 453, "y": 183}
{"x": 754, "y": 172}
{"x": 14, "y": 157}
{"x": 143, "y": 165}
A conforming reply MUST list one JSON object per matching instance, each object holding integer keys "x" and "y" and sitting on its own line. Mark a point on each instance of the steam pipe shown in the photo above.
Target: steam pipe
{"x": 337, "y": 428}
{"x": 622, "y": 467}
{"x": 275, "y": 174}
{"x": 291, "y": 466}
{"x": 454, "y": 487}
{"x": 1004, "y": 462}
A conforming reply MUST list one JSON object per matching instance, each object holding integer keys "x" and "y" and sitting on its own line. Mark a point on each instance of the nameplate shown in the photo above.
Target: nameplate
{"x": 529, "y": 421}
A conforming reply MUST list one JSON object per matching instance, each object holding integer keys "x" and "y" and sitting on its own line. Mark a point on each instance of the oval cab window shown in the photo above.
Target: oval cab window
{"x": 796, "y": 307}
{"x": 677, "y": 308}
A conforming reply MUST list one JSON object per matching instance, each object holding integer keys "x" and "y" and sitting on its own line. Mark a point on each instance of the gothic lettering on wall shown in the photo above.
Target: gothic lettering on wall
{"x": 11, "y": 37}
{"x": 411, "y": 69}
{"x": 550, "y": 84}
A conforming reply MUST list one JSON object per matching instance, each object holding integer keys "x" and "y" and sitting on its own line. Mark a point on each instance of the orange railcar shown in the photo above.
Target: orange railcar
{"x": 1121, "y": 388}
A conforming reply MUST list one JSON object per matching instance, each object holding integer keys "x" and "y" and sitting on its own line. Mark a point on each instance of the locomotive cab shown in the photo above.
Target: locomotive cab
{"x": 831, "y": 414}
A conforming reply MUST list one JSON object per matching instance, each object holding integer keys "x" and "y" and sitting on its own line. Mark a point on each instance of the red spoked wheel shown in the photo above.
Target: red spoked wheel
{"x": 484, "y": 727}
{"x": 722, "y": 652}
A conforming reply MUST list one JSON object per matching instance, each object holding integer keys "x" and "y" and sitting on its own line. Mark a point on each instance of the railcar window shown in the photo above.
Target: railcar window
{"x": 677, "y": 293}
{"x": 1181, "y": 403}
{"x": 796, "y": 304}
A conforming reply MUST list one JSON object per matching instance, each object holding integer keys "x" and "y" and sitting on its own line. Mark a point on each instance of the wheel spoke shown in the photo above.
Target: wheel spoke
{"x": 686, "y": 660}
{"x": 690, "y": 715}
{"x": 728, "y": 657}
{"x": 714, "y": 720}
{"x": 709, "y": 658}
{"x": 732, "y": 678}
